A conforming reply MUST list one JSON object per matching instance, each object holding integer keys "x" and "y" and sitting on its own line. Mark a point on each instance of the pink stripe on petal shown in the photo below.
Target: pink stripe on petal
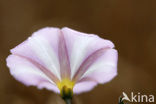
{"x": 87, "y": 79}
{"x": 63, "y": 58}
{"x": 88, "y": 62}
{"x": 42, "y": 68}
{"x": 104, "y": 69}
{"x": 28, "y": 74}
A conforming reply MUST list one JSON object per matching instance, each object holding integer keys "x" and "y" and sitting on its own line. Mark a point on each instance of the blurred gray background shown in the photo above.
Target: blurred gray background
{"x": 130, "y": 24}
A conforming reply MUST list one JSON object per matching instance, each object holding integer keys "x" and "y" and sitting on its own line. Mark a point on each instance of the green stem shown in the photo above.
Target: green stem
{"x": 68, "y": 101}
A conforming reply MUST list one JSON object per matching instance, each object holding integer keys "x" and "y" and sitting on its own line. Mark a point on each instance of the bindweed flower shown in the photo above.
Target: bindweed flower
{"x": 63, "y": 60}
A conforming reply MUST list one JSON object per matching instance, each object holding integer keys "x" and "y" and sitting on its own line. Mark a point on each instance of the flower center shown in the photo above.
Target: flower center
{"x": 66, "y": 87}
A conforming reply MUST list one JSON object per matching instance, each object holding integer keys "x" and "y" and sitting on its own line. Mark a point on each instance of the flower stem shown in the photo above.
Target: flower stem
{"x": 67, "y": 94}
{"x": 68, "y": 101}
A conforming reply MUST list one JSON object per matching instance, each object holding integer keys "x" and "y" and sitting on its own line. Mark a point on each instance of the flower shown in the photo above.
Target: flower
{"x": 63, "y": 60}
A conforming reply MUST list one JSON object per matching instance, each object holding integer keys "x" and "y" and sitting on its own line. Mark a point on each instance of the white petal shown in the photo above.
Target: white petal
{"x": 27, "y": 73}
{"x": 105, "y": 68}
{"x": 81, "y": 45}
{"x": 84, "y": 86}
{"x": 42, "y": 47}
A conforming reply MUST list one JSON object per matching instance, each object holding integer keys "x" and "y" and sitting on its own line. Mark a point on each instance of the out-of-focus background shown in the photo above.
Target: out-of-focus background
{"x": 130, "y": 24}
